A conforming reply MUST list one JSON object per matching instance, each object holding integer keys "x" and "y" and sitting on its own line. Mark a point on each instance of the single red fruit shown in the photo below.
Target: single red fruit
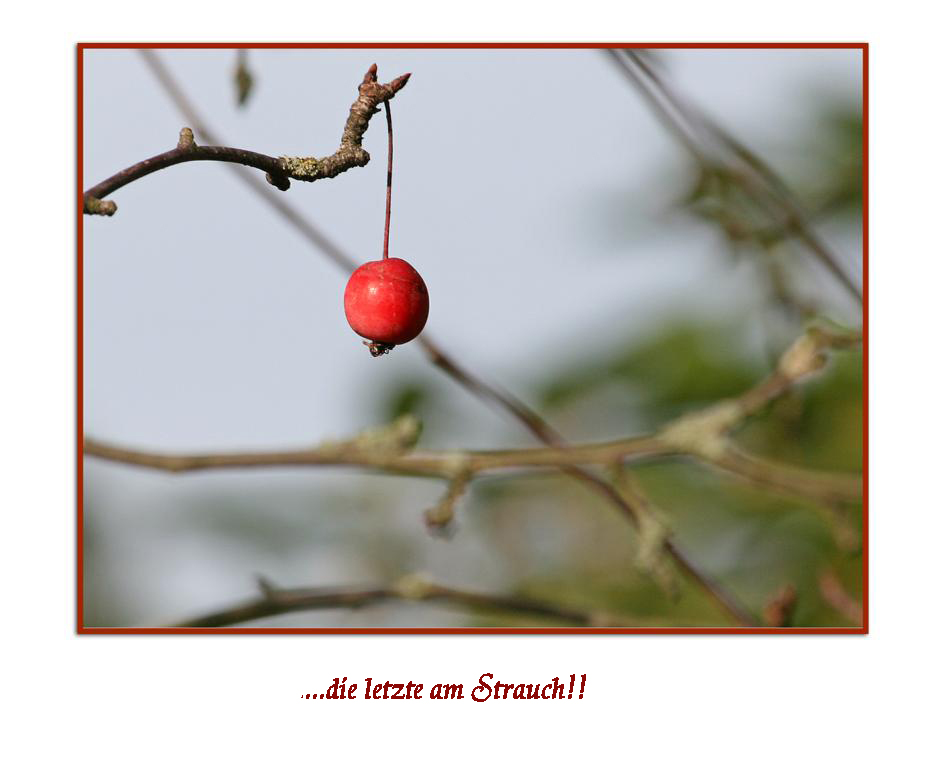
{"x": 386, "y": 301}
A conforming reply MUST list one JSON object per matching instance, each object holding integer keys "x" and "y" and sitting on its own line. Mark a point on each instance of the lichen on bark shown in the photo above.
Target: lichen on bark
{"x": 351, "y": 153}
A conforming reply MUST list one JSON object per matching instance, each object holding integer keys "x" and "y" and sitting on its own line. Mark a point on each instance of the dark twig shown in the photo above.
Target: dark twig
{"x": 185, "y": 152}
{"x": 279, "y": 170}
{"x": 274, "y": 601}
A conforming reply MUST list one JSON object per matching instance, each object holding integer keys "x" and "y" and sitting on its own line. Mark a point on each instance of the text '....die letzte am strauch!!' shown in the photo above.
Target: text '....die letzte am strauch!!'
{"x": 488, "y": 689}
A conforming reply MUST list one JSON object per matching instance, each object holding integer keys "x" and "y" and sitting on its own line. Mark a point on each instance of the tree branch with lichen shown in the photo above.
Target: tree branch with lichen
{"x": 279, "y": 170}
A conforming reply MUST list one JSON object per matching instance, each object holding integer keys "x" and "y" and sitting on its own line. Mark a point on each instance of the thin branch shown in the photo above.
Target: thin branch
{"x": 274, "y": 601}
{"x": 186, "y": 151}
{"x": 824, "y": 487}
{"x": 827, "y": 487}
{"x": 279, "y": 170}
{"x": 430, "y": 464}
{"x": 673, "y": 122}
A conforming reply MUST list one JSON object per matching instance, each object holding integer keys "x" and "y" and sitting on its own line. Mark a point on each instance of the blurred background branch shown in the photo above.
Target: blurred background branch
{"x": 724, "y": 159}
{"x": 413, "y": 588}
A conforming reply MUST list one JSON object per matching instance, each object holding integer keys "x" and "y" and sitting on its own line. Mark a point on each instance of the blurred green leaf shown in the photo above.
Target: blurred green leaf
{"x": 682, "y": 366}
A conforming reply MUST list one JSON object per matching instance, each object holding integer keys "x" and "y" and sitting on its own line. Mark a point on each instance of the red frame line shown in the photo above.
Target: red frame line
{"x": 83, "y": 630}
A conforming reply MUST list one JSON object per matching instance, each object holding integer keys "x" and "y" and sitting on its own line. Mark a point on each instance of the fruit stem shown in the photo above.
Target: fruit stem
{"x": 389, "y": 180}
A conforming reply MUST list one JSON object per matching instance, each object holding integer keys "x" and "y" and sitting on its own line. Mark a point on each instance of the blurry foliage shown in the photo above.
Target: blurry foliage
{"x": 831, "y": 155}
{"x": 681, "y": 367}
{"x": 826, "y": 176}
{"x": 105, "y": 602}
{"x": 822, "y": 165}
{"x": 718, "y": 195}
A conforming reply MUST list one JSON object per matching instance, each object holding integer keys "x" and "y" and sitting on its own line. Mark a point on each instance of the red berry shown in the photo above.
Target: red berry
{"x": 386, "y": 301}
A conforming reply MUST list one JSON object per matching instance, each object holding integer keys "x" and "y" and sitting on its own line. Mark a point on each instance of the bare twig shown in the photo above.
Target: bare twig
{"x": 820, "y": 486}
{"x": 429, "y": 464}
{"x": 279, "y": 170}
{"x": 823, "y": 487}
{"x": 186, "y": 151}
{"x": 416, "y": 588}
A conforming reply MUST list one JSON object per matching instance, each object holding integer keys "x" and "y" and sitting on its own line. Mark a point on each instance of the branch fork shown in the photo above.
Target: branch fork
{"x": 279, "y": 170}
{"x": 351, "y": 153}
